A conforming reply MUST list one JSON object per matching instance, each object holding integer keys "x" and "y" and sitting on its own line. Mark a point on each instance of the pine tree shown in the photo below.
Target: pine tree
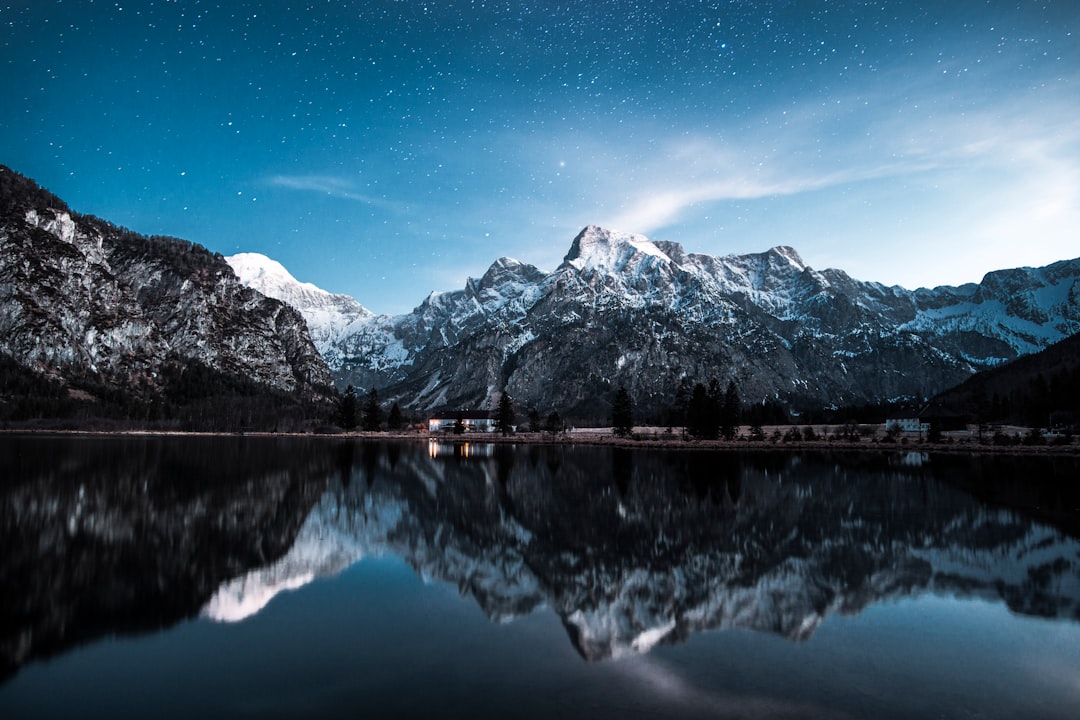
{"x": 729, "y": 415}
{"x": 346, "y": 410}
{"x": 697, "y": 411}
{"x": 716, "y": 408}
{"x": 395, "y": 420}
{"x": 505, "y": 418}
{"x": 554, "y": 423}
{"x": 622, "y": 414}
{"x": 372, "y": 412}
{"x": 703, "y": 411}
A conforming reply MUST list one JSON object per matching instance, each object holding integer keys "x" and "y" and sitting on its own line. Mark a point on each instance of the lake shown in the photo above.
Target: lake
{"x": 320, "y": 577}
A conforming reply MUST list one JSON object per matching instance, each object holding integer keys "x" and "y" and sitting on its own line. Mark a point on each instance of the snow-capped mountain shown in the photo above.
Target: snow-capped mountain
{"x": 81, "y": 299}
{"x": 624, "y": 310}
{"x": 328, "y": 315}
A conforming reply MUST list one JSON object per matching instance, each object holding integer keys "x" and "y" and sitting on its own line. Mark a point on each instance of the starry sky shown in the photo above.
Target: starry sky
{"x": 386, "y": 149}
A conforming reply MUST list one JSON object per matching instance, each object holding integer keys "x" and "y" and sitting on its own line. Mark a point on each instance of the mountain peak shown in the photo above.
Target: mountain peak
{"x": 19, "y": 193}
{"x": 600, "y": 247}
{"x": 257, "y": 271}
{"x": 506, "y": 269}
{"x": 270, "y": 277}
{"x": 789, "y": 254}
{"x": 327, "y": 314}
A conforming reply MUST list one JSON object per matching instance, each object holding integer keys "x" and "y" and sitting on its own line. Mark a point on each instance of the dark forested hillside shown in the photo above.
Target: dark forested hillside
{"x": 1040, "y": 390}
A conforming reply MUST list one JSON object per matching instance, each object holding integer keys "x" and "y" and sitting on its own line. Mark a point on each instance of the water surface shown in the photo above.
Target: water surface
{"x": 332, "y": 578}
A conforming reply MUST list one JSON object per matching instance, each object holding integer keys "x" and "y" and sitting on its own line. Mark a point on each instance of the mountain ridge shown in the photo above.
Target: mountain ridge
{"x": 623, "y": 309}
{"x": 84, "y": 299}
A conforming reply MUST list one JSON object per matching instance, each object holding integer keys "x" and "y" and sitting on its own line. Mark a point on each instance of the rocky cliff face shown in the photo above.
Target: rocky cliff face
{"x": 623, "y": 310}
{"x": 81, "y": 299}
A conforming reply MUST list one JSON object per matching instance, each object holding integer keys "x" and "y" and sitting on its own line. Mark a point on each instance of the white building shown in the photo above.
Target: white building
{"x": 907, "y": 425}
{"x": 473, "y": 421}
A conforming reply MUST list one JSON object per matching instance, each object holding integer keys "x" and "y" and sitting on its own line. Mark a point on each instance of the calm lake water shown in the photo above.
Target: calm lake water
{"x": 264, "y": 577}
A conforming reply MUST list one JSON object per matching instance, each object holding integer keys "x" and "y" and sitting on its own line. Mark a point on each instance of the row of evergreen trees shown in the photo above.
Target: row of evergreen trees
{"x": 350, "y": 415}
{"x": 190, "y": 396}
{"x": 706, "y": 412}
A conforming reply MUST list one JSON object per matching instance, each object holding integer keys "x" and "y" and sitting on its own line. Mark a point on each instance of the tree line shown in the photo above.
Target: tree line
{"x": 188, "y": 396}
{"x": 369, "y": 418}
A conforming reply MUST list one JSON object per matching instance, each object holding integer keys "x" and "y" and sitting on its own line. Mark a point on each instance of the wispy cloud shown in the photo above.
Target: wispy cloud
{"x": 975, "y": 183}
{"x": 1022, "y": 149}
{"x": 333, "y": 186}
{"x": 689, "y": 174}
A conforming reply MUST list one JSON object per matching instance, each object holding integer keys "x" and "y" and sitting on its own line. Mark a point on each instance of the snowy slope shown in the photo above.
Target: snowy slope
{"x": 328, "y": 315}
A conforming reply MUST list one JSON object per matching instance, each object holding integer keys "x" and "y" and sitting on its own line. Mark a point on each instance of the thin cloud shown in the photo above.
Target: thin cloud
{"x": 332, "y": 186}
{"x": 655, "y": 206}
{"x": 1020, "y": 143}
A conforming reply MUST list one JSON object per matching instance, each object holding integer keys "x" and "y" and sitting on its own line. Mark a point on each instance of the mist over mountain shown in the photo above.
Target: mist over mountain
{"x": 624, "y": 310}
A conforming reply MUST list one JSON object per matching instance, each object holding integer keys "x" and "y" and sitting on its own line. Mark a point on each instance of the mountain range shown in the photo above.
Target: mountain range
{"x": 89, "y": 304}
{"x": 624, "y": 310}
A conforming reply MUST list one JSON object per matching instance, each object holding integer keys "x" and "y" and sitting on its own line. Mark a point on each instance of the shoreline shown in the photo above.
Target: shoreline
{"x": 605, "y": 437}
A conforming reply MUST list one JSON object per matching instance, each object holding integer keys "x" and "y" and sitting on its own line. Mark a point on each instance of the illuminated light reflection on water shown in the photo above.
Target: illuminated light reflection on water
{"x": 325, "y": 577}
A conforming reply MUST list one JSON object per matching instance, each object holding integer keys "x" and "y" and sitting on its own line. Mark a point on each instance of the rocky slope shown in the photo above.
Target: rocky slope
{"x": 623, "y": 310}
{"x": 82, "y": 300}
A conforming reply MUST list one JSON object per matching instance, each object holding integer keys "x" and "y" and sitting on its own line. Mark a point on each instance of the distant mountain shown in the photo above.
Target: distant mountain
{"x": 624, "y": 310}
{"x": 91, "y": 305}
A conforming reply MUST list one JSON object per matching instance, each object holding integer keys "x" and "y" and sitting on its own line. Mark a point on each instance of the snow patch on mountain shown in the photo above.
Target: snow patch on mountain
{"x": 599, "y": 248}
{"x": 332, "y": 538}
{"x": 328, "y": 315}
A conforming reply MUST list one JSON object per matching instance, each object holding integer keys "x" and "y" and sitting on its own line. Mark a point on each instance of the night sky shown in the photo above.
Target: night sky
{"x": 388, "y": 149}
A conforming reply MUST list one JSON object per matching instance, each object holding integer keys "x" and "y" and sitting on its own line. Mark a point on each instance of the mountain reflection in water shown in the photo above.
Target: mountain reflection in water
{"x": 630, "y": 548}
